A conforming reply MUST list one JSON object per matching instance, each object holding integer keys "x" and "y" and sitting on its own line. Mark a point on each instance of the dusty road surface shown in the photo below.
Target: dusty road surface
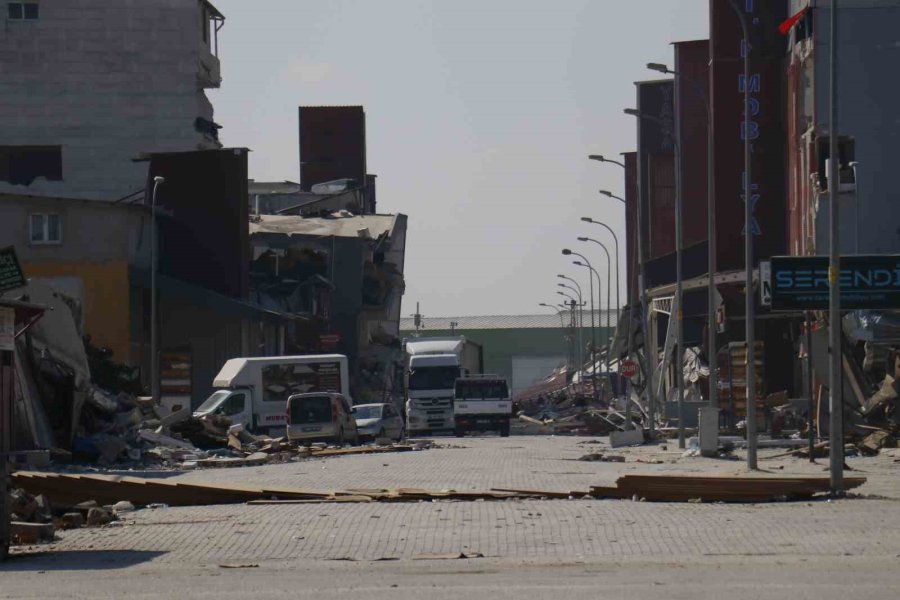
{"x": 518, "y": 548}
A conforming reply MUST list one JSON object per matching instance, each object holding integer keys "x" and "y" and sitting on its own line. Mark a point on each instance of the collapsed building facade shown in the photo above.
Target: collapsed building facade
{"x": 788, "y": 131}
{"x": 346, "y": 272}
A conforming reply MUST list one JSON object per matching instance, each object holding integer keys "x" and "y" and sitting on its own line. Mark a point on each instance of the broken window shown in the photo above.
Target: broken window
{"x": 22, "y": 11}
{"x": 846, "y": 156}
{"x": 44, "y": 228}
{"x": 21, "y": 165}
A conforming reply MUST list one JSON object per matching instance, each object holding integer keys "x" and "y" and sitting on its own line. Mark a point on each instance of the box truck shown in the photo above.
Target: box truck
{"x": 482, "y": 403}
{"x": 432, "y": 368}
{"x": 254, "y": 391}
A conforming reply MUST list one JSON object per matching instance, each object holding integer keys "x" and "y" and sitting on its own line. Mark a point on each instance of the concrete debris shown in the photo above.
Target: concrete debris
{"x": 631, "y": 437}
{"x": 123, "y": 506}
{"x": 98, "y": 516}
{"x": 72, "y": 520}
{"x": 35, "y": 519}
{"x": 598, "y": 457}
{"x": 27, "y": 534}
{"x": 687, "y": 488}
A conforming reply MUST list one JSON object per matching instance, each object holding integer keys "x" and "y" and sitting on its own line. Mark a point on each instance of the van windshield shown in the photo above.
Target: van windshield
{"x": 313, "y": 409}
{"x": 213, "y": 401}
{"x": 433, "y": 378}
{"x": 367, "y": 412}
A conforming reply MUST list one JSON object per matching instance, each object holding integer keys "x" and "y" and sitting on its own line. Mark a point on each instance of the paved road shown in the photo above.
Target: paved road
{"x": 533, "y": 548}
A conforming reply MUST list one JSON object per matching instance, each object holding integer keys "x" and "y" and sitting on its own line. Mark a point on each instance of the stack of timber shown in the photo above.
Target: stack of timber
{"x": 733, "y": 381}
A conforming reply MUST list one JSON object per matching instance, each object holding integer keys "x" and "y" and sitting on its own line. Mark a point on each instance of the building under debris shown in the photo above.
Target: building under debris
{"x": 346, "y": 272}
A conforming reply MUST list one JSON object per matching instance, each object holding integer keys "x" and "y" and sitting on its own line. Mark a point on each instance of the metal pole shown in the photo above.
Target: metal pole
{"x": 593, "y": 335}
{"x": 836, "y": 430}
{"x": 679, "y": 288}
{"x": 809, "y": 386}
{"x": 580, "y": 316}
{"x": 713, "y": 358}
{"x": 154, "y": 326}
{"x": 749, "y": 314}
{"x": 649, "y": 344}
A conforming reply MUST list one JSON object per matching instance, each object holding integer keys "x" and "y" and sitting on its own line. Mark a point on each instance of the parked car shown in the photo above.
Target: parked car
{"x": 374, "y": 421}
{"x": 320, "y": 417}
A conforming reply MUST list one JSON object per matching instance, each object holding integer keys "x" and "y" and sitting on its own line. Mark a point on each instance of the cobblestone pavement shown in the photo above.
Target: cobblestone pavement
{"x": 295, "y": 538}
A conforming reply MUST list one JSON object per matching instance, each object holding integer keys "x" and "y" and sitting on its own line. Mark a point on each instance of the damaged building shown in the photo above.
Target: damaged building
{"x": 346, "y": 272}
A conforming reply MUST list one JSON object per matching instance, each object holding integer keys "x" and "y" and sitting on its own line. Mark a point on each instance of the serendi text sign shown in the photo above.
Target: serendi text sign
{"x": 866, "y": 282}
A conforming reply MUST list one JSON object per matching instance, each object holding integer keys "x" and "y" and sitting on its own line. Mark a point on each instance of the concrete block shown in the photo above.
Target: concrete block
{"x": 31, "y": 533}
{"x": 632, "y": 437}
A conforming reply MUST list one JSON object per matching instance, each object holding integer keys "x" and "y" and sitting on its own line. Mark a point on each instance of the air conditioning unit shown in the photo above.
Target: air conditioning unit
{"x": 847, "y": 178}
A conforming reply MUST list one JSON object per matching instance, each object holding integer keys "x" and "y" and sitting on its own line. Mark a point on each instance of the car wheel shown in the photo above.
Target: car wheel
{"x": 459, "y": 432}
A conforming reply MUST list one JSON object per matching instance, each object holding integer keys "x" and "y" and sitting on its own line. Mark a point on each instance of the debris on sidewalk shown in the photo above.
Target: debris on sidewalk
{"x": 108, "y": 489}
{"x": 685, "y": 488}
{"x": 598, "y": 457}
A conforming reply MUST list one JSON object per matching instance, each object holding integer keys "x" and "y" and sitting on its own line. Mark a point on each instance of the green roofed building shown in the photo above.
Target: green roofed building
{"x": 522, "y": 348}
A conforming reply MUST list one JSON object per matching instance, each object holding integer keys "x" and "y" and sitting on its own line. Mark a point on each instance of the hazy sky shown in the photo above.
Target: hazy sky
{"x": 480, "y": 116}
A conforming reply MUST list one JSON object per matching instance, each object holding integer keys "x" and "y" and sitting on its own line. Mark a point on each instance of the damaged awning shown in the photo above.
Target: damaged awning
{"x": 219, "y": 303}
{"x": 27, "y": 314}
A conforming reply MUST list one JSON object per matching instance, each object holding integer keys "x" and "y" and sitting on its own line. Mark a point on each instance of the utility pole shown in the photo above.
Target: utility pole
{"x": 835, "y": 384}
{"x": 679, "y": 285}
{"x": 418, "y": 320}
{"x": 154, "y": 317}
{"x": 749, "y": 299}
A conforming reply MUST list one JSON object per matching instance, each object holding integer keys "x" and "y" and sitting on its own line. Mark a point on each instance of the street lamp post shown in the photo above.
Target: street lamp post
{"x": 835, "y": 383}
{"x": 679, "y": 280}
{"x": 571, "y": 356}
{"x": 555, "y": 309}
{"x": 749, "y": 314}
{"x": 154, "y": 326}
{"x": 642, "y": 281}
{"x": 608, "y": 288}
{"x": 712, "y": 359}
{"x": 577, "y": 291}
{"x": 567, "y": 252}
{"x": 580, "y": 315}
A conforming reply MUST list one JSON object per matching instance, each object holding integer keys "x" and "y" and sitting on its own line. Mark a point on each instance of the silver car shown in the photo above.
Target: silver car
{"x": 375, "y": 421}
{"x": 320, "y": 417}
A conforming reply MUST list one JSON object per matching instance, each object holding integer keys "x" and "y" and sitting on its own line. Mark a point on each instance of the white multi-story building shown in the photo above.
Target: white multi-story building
{"x": 87, "y": 86}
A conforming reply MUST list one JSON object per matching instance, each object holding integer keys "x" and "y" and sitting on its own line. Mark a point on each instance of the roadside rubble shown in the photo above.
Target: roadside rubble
{"x": 71, "y": 490}
{"x": 78, "y": 405}
{"x": 36, "y": 519}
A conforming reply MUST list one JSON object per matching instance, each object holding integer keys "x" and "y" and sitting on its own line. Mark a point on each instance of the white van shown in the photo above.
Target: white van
{"x": 320, "y": 417}
{"x": 254, "y": 391}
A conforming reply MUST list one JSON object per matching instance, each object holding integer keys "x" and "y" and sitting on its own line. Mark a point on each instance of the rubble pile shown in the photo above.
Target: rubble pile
{"x": 35, "y": 519}
{"x": 566, "y": 413}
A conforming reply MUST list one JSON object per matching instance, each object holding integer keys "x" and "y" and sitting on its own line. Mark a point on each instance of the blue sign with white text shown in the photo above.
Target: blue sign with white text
{"x": 866, "y": 282}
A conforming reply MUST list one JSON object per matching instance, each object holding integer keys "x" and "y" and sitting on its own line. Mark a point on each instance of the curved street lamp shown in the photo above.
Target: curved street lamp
{"x": 608, "y": 288}
{"x": 591, "y": 272}
{"x": 710, "y": 231}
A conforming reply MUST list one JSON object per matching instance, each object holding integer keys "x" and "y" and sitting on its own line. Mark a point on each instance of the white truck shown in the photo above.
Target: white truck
{"x": 254, "y": 391}
{"x": 432, "y": 367}
{"x": 482, "y": 403}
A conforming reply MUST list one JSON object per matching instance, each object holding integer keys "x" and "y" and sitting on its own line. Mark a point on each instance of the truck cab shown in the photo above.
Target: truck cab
{"x": 481, "y": 403}
{"x": 432, "y": 367}
{"x": 430, "y": 390}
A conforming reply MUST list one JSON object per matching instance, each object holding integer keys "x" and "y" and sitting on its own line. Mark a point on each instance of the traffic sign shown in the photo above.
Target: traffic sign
{"x": 628, "y": 369}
